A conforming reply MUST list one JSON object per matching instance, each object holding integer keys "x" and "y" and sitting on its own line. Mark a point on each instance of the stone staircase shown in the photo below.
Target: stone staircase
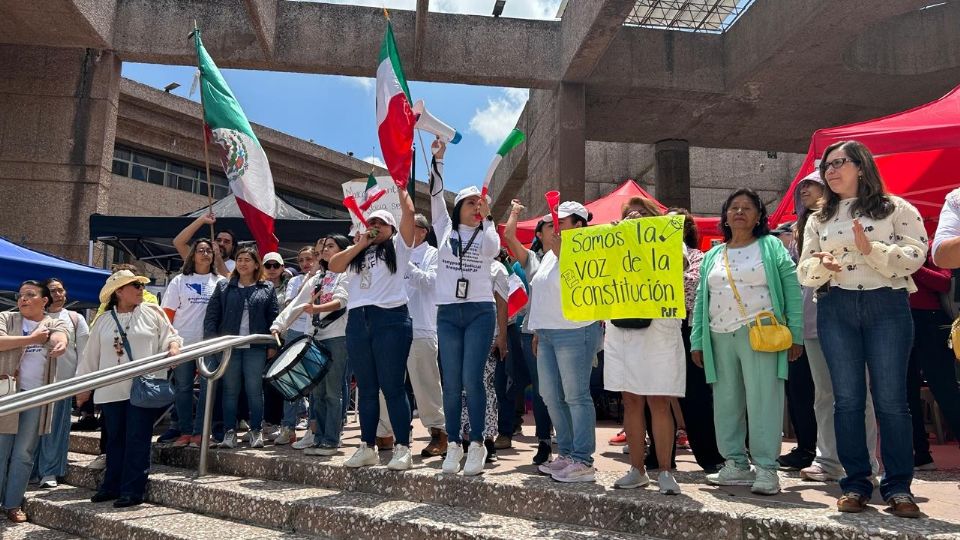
{"x": 279, "y": 493}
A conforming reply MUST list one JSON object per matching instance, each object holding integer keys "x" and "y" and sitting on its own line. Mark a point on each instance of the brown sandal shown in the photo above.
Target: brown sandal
{"x": 16, "y": 515}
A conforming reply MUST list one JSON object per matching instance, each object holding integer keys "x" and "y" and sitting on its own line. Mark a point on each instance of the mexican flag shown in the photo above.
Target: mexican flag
{"x": 517, "y": 293}
{"x": 241, "y": 155}
{"x": 512, "y": 141}
{"x": 395, "y": 118}
{"x": 372, "y": 194}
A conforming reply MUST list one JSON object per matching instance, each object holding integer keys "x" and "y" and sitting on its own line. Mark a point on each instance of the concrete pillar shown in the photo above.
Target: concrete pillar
{"x": 673, "y": 172}
{"x": 556, "y": 146}
{"x": 58, "y": 116}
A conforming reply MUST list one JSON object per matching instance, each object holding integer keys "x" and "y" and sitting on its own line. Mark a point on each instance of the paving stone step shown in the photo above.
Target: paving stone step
{"x": 31, "y": 531}
{"x": 69, "y": 509}
{"x": 325, "y": 512}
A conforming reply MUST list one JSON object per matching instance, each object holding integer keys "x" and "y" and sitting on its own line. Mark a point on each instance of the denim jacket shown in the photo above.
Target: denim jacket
{"x": 225, "y": 309}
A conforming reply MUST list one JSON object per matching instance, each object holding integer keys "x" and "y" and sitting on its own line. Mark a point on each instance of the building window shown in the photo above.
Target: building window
{"x": 165, "y": 172}
{"x": 313, "y": 207}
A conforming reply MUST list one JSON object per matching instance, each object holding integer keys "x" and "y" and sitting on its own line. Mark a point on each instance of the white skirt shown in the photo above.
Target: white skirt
{"x": 647, "y": 362}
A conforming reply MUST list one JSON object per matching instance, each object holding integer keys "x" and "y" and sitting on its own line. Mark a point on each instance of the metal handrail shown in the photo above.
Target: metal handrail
{"x": 52, "y": 393}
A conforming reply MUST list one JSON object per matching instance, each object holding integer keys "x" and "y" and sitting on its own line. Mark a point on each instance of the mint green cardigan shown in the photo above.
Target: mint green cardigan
{"x": 785, "y": 294}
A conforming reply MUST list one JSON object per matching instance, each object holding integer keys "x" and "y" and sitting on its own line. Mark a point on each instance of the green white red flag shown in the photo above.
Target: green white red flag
{"x": 372, "y": 193}
{"x": 512, "y": 141}
{"x": 395, "y": 118}
{"x": 243, "y": 159}
{"x": 517, "y": 293}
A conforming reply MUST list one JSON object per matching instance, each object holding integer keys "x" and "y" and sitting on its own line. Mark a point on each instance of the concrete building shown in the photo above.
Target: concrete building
{"x": 634, "y": 72}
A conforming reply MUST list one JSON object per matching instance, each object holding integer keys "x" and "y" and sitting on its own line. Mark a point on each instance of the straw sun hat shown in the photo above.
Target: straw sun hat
{"x": 117, "y": 280}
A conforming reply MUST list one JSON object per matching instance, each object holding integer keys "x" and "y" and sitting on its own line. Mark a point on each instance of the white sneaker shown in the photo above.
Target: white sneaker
{"x": 270, "y": 431}
{"x": 48, "y": 482}
{"x": 305, "y": 442}
{"x": 668, "y": 484}
{"x": 555, "y": 466}
{"x": 99, "y": 463}
{"x": 286, "y": 436}
{"x": 451, "y": 463}
{"x": 401, "y": 458}
{"x": 256, "y": 439}
{"x": 476, "y": 457}
{"x": 732, "y": 475}
{"x": 229, "y": 439}
{"x": 767, "y": 483}
{"x": 632, "y": 480}
{"x": 365, "y": 456}
{"x": 576, "y": 472}
{"x": 302, "y": 423}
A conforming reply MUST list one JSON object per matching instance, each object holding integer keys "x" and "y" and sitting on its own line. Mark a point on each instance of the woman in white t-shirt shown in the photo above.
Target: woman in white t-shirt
{"x": 565, "y": 353}
{"x": 379, "y": 329}
{"x": 29, "y": 339}
{"x": 467, "y": 243}
{"x": 322, "y": 299}
{"x": 185, "y": 302}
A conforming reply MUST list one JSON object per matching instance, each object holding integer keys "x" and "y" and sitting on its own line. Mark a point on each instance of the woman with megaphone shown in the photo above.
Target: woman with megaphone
{"x": 468, "y": 243}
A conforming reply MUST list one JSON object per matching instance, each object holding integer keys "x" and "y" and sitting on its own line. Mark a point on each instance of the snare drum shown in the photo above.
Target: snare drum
{"x": 298, "y": 367}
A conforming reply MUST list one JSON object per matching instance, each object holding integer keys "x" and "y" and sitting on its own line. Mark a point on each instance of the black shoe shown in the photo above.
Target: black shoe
{"x": 491, "y": 451}
{"x": 796, "y": 459}
{"x": 86, "y": 423}
{"x": 100, "y": 497}
{"x": 124, "y": 502}
{"x": 170, "y": 435}
{"x": 543, "y": 453}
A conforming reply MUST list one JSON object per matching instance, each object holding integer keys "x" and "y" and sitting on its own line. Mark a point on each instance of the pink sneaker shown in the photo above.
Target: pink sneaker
{"x": 576, "y": 472}
{"x": 555, "y": 466}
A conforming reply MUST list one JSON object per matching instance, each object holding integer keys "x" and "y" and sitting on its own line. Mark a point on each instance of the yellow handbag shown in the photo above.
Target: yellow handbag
{"x": 773, "y": 337}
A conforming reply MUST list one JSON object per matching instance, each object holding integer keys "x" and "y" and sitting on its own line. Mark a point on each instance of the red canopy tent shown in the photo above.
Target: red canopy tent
{"x": 607, "y": 209}
{"x": 917, "y": 152}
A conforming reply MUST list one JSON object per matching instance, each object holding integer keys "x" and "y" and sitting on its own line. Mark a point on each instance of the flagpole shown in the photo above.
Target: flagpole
{"x": 203, "y": 131}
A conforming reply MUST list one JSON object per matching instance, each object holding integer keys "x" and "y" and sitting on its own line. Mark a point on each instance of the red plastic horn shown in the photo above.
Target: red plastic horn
{"x": 553, "y": 200}
{"x": 350, "y": 202}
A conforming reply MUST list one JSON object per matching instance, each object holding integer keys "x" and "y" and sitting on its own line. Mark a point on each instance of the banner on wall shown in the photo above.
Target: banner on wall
{"x": 389, "y": 202}
{"x": 630, "y": 270}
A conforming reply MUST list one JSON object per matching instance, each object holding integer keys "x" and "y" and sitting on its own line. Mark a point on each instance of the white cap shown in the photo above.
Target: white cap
{"x": 471, "y": 191}
{"x": 383, "y": 216}
{"x": 273, "y": 256}
{"x": 571, "y": 208}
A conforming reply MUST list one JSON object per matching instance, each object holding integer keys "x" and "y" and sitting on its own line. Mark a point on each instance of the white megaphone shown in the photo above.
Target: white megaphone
{"x": 430, "y": 123}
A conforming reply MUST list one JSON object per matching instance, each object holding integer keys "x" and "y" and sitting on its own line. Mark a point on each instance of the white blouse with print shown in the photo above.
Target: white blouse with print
{"x": 746, "y": 266}
{"x": 899, "y": 247}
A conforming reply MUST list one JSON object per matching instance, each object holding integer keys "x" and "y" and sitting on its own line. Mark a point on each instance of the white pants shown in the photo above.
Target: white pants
{"x": 823, "y": 410}
{"x": 425, "y": 379}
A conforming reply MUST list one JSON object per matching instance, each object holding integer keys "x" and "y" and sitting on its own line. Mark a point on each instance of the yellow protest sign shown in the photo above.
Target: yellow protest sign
{"x": 630, "y": 270}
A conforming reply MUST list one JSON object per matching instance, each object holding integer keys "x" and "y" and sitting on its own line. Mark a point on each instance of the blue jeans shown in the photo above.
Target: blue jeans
{"x": 16, "y": 458}
{"x": 51, "y": 458}
{"x": 183, "y": 377}
{"x": 129, "y": 429}
{"x": 464, "y": 335}
{"x": 541, "y": 416}
{"x": 378, "y": 343}
{"x": 327, "y": 396}
{"x": 246, "y": 371}
{"x": 564, "y": 363}
{"x": 870, "y": 328}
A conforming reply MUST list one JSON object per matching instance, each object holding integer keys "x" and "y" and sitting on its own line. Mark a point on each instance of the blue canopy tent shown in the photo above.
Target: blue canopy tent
{"x": 19, "y": 264}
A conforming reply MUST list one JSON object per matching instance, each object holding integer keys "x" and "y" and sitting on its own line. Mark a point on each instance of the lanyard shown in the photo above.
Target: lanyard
{"x": 463, "y": 249}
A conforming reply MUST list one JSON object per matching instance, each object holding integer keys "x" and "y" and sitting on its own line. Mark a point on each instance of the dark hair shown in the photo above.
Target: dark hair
{"x": 646, "y": 203}
{"x": 48, "y": 281}
{"x": 455, "y": 218}
{"x": 189, "y": 267}
{"x": 114, "y": 268}
{"x": 691, "y": 233}
{"x": 258, "y": 273}
{"x": 340, "y": 240}
{"x": 872, "y": 200}
{"x": 44, "y": 291}
{"x": 233, "y": 240}
{"x": 383, "y": 251}
{"x": 762, "y": 228}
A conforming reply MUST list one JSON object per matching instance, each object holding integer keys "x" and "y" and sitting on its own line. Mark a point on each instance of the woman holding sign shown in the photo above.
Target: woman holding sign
{"x": 751, "y": 275}
{"x": 565, "y": 355}
{"x": 468, "y": 244}
{"x": 644, "y": 359}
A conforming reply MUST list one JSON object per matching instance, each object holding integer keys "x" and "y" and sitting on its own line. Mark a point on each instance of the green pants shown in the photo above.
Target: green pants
{"x": 747, "y": 398}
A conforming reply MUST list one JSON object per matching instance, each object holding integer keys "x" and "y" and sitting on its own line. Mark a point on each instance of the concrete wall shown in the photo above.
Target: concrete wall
{"x": 58, "y": 111}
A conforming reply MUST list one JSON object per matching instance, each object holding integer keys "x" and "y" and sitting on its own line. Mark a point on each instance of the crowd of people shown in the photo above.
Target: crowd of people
{"x": 427, "y": 303}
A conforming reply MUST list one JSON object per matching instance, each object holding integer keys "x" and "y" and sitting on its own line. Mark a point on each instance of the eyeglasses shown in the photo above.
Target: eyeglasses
{"x": 740, "y": 209}
{"x": 26, "y": 296}
{"x": 837, "y": 163}
{"x": 205, "y": 251}
{"x": 272, "y": 265}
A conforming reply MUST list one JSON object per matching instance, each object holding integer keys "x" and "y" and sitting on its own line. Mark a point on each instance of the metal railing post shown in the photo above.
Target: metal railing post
{"x": 210, "y": 379}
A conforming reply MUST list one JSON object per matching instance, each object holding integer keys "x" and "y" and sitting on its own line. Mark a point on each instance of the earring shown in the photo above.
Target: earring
{"x": 725, "y": 224}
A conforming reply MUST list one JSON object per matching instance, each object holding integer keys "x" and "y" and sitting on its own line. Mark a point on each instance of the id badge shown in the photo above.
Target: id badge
{"x": 463, "y": 286}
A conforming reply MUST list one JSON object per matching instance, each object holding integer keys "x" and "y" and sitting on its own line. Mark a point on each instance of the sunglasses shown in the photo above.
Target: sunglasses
{"x": 136, "y": 285}
{"x": 272, "y": 265}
